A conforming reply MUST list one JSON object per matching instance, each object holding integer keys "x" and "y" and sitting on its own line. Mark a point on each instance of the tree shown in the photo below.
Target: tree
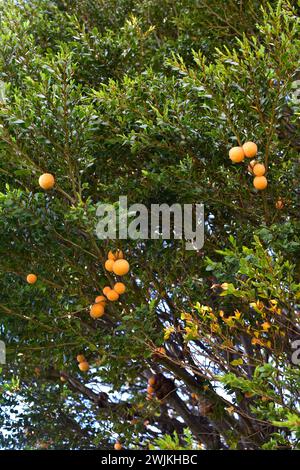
{"x": 145, "y": 99}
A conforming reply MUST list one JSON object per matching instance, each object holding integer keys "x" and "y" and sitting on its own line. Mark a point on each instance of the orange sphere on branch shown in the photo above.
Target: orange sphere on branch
{"x": 97, "y": 310}
{"x": 31, "y": 278}
{"x": 260, "y": 182}
{"x": 106, "y": 290}
{"x": 120, "y": 288}
{"x": 112, "y": 295}
{"x": 250, "y": 149}
{"x": 259, "y": 169}
{"x": 121, "y": 267}
{"x": 84, "y": 366}
{"x": 151, "y": 381}
{"x": 118, "y": 446}
{"x": 109, "y": 264}
{"x": 80, "y": 358}
{"x": 236, "y": 154}
{"x": 100, "y": 299}
{"x": 46, "y": 181}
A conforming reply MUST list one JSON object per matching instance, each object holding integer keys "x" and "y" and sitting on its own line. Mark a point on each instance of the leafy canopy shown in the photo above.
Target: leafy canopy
{"x": 144, "y": 99}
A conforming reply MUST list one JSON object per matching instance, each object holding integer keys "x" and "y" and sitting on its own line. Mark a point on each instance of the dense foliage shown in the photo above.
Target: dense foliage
{"x": 144, "y": 98}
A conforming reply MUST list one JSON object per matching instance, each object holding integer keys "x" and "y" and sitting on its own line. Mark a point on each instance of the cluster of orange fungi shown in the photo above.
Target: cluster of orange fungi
{"x": 257, "y": 169}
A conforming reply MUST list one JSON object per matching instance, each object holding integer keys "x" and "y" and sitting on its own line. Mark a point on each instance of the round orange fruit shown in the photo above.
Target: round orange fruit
{"x": 112, "y": 295}
{"x": 97, "y": 311}
{"x": 84, "y": 366}
{"x": 100, "y": 299}
{"x": 121, "y": 267}
{"x": 109, "y": 264}
{"x": 250, "y": 149}
{"x": 120, "y": 288}
{"x": 152, "y": 381}
{"x": 31, "y": 278}
{"x": 46, "y": 181}
{"x": 236, "y": 154}
{"x": 106, "y": 290}
{"x": 259, "y": 169}
{"x": 260, "y": 182}
{"x": 80, "y": 358}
